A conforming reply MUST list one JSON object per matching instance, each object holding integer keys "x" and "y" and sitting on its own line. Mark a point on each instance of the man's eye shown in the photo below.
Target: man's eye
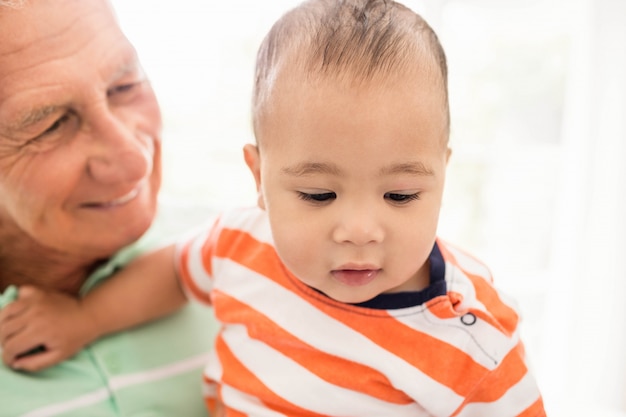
{"x": 317, "y": 198}
{"x": 57, "y": 124}
{"x": 402, "y": 198}
{"x": 123, "y": 88}
{"x": 60, "y": 129}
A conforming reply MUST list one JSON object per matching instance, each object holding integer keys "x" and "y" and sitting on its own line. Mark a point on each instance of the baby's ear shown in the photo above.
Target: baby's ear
{"x": 253, "y": 160}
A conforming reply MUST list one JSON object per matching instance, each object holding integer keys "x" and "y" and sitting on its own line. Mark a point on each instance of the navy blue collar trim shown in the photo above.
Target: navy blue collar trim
{"x": 397, "y": 300}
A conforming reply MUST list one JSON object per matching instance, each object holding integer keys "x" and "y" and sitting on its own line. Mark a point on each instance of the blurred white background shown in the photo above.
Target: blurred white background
{"x": 537, "y": 180}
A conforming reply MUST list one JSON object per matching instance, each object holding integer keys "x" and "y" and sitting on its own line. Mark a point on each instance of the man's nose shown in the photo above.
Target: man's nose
{"x": 359, "y": 226}
{"x": 119, "y": 154}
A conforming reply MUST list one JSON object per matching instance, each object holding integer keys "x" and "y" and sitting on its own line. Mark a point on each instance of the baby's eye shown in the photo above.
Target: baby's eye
{"x": 400, "y": 198}
{"x": 317, "y": 197}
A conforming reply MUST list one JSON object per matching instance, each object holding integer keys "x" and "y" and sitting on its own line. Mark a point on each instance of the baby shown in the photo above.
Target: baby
{"x": 336, "y": 296}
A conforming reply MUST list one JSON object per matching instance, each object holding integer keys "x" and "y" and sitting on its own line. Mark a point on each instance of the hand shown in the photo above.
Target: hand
{"x": 42, "y": 328}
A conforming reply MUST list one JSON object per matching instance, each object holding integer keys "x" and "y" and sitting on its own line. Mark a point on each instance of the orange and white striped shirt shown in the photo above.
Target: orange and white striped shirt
{"x": 287, "y": 350}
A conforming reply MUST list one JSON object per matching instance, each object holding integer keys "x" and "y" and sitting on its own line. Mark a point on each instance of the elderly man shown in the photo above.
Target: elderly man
{"x": 79, "y": 176}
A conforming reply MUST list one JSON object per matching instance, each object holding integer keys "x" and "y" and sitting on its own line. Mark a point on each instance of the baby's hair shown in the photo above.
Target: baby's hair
{"x": 350, "y": 40}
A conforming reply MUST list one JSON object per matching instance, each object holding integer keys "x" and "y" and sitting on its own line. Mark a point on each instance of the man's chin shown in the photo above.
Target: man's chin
{"x": 114, "y": 237}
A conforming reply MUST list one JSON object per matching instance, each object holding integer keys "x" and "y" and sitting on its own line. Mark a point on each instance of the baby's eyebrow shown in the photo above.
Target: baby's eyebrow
{"x": 309, "y": 168}
{"x": 413, "y": 168}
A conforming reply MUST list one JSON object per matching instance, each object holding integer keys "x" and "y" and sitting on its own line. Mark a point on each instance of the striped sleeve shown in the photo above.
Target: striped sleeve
{"x": 194, "y": 264}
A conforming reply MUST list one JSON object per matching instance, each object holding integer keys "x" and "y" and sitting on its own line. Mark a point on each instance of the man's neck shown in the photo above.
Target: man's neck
{"x": 27, "y": 263}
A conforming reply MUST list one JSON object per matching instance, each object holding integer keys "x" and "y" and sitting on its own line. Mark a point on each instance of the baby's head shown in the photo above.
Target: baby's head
{"x": 354, "y": 42}
{"x": 350, "y": 113}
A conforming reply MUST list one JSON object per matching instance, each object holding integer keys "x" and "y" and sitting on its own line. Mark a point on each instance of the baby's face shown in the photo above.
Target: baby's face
{"x": 352, "y": 180}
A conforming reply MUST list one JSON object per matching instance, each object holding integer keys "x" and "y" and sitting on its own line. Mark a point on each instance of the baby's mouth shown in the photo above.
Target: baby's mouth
{"x": 355, "y": 277}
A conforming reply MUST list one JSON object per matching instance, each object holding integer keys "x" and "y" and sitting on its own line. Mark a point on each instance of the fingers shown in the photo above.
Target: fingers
{"x": 16, "y": 315}
{"x": 9, "y": 328}
{"x": 13, "y": 309}
{"x": 12, "y": 321}
{"x": 21, "y": 328}
{"x": 38, "y": 361}
{"x": 27, "y": 296}
{"x": 37, "y": 319}
{"x": 28, "y": 291}
{"x": 25, "y": 341}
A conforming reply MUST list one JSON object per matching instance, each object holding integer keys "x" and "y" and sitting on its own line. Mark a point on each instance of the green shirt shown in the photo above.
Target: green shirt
{"x": 153, "y": 370}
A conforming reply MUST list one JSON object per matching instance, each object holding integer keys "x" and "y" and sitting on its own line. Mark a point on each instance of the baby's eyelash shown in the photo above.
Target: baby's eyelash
{"x": 397, "y": 198}
{"x": 402, "y": 198}
{"x": 317, "y": 197}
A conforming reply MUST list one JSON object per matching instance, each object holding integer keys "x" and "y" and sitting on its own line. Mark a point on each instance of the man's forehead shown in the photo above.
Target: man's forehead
{"x": 33, "y": 87}
{"x": 22, "y": 112}
{"x": 47, "y": 21}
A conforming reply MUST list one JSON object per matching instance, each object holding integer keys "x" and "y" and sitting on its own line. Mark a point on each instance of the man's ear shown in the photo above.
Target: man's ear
{"x": 253, "y": 160}
{"x": 448, "y": 153}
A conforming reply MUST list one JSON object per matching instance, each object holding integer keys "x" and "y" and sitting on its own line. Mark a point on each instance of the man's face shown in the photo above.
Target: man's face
{"x": 352, "y": 180}
{"x": 79, "y": 130}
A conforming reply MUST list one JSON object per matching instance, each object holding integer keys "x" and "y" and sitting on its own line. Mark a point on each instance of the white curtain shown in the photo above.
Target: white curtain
{"x": 583, "y": 365}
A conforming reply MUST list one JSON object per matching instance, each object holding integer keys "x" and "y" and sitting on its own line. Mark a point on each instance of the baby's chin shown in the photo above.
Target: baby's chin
{"x": 345, "y": 297}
